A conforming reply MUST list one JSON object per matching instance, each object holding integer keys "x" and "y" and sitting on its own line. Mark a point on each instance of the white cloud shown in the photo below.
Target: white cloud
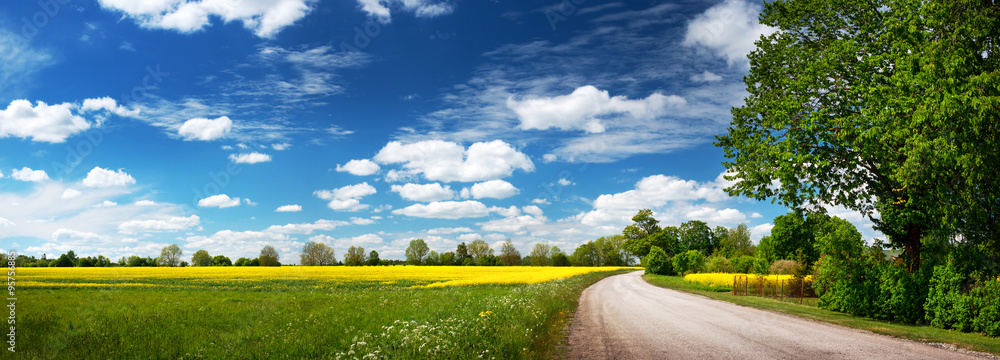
{"x": 445, "y": 210}
{"x": 145, "y": 203}
{"x": 762, "y": 230}
{"x": 176, "y": 223}
{"x": 41, "y": 122}
{"x": 363, "y": 221}
{"x": 585, "y": 107}
{"x": 250, "y": 158}
{"x": 380, "y": 9}
{"x": 281, "y": 147}
{"x": 306, "y": 228}
{"x": 6, "y": 223}
{"x": 106, "y": 204}
{"x": 549, "y": 158}
{"x": 347, "y": 197}
{"x": 100, "y": 177}
{"x": 446, "y": 231}
{"x": 68, "y": 234}
{"x": 219, "y": 201}
{"x": 289, "y": 208}
{"x": 565, "y": 182}
{"x": 728, "y": 30}
{"x": 706, "y": 76}
{"x": 71, "y": 194}
{"x": 108, "y": 104}
{"x": 344, "y": 243}
{"x": 540, "y": 201}
{"x": 205, "y": 129}
{"x": 363, "y": 167}
{"x": 27, "y": 174}
{"x": 497, "y": 189}
{"x": 424, "y": 192}
{"x": 515, "y": 222}
{"x": 713, "y": 215}
{"x": 657, "y": 191}
{"x": 264, "y": 17}
{"x": 448, "y": 161}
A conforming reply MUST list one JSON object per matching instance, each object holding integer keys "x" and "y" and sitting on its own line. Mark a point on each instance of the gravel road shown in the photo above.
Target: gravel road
{"x": 623, "y": 317}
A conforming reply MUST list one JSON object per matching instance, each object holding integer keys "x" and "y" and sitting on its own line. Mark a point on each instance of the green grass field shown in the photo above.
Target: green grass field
{"x": 459, "y": 322}
{"x": 974, "y": 342}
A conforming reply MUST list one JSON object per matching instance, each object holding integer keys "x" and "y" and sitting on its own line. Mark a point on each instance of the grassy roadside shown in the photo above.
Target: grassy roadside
{"x": 294, "y": 321}
{"x": 929, "y": 334}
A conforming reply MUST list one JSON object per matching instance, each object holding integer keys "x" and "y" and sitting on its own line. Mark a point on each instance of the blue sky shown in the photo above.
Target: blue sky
{"x": 225, "y": 125}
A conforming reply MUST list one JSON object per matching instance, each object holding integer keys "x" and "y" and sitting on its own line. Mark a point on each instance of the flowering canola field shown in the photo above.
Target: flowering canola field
{"x": 726, "y": 279}
{"x": 291, "y": 277}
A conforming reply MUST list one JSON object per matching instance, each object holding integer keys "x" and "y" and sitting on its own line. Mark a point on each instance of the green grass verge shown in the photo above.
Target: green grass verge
{"x": 496, "y": 321}
{"x": 961, "y": 340}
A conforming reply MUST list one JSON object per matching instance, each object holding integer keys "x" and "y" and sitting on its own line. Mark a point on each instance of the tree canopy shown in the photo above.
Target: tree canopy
{"x": 268, "y": 256}
{"x": 417, "y": 251}
{"x": 316, "y": 254}
{"x": 170, "y": 255}
{"x": 887, "y": 107}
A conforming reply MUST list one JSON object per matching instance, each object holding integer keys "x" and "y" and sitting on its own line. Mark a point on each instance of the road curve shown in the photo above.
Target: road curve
{"x": 624, "y": 317}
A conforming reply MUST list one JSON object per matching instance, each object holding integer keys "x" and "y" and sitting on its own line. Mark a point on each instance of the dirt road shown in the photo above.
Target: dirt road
{"x": 623, "y": 317}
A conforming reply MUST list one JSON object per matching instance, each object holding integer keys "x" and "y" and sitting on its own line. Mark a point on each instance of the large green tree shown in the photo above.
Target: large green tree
{"x": 417, "y": 251}
{"x": 318, "y": 254}
{"x": 268, "y": 256}
{"x": 201, "y": 258}
{"x": 887, "y": 107}
{"x": 170, "y": 255}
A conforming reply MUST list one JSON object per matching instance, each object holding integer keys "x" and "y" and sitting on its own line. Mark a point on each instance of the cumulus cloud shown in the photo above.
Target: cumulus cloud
{"x": 514, "y": 221}
{"x": 497, "y": 189}
{"x": 343, "y": 243}
{"x": 346, "y": 198}
{"x": 289, "y": 208}
{"x": 424, "y": 192}
{"x": 99, "y": 177}
{"x": 363, "y": 167}
{"x": 445, "y": 210}
{"x": 585, "y": 107}
{"x": 71, "y": 194}
{"x": 145, "y": 203}
{"x": 41, "y": 122}
{"x": 108, "y": 104}
{"x": 760, "y": 231}
{"x": 306, "y": 228}
{"x": 656, "y": 192}
{"x": 264, "y": 17}
{"x": 249, "y": 158}
{"x": 105, "y": 204}
{"x": 446, "y": 161}
{"x": 728, "y": 30}
{"x": 220, "y": 201}
{"x": 176, "y": 223}
{"x": 446, "y": 231}
{"x": 382, "y": 10}
{"x": 706, "y": 76}
{"x": 27, "y": 174}
{"x": 205, "y": 129}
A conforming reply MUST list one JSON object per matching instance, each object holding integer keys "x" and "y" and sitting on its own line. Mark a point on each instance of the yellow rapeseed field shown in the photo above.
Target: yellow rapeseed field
{"x": 291, "y": 277}
{"x": 726, "y": 279}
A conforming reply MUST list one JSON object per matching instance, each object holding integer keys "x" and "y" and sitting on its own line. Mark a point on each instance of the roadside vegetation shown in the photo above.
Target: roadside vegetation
{"x": 285, "y": 313}
{"x": 809, "y": 309}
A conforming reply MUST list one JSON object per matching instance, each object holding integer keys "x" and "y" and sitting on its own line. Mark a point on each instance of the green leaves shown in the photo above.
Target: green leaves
{"x": 887, "y": 107}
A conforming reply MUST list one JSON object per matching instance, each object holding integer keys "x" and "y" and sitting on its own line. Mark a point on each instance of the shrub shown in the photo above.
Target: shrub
{"x": 742, "y": 264}
{"x": 692, "y": 261}
{"x": 945, "y": 300}
{"x": 987, "y": 300}
{"x": 783, "y": 267}
{"x": 657, "y": 262}
{"x": 718, "y": 264}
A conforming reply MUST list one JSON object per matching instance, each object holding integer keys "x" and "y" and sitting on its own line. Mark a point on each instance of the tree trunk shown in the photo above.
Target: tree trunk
{"x": 911, "y": 247}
